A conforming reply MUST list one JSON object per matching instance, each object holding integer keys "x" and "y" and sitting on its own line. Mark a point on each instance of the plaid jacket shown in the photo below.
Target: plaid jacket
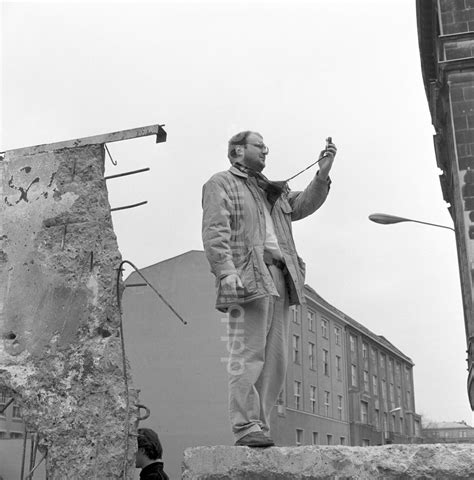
{"x": 233, "y": 233}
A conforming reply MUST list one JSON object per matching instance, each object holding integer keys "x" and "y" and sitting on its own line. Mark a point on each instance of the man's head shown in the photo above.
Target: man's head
{"x": 248, "y": 149}
{"x": 149, "y": 447}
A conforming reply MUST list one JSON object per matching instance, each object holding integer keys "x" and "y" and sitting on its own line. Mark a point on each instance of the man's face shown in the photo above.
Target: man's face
{"x": 255, "y": 152}
{"x": 140, "y": 458}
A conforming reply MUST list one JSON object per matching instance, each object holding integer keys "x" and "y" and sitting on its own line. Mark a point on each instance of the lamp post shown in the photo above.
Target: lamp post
{"x": 385, "y": 219}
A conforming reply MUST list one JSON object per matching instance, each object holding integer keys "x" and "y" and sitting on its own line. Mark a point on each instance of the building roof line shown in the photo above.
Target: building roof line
{"x": 379, "y": 339}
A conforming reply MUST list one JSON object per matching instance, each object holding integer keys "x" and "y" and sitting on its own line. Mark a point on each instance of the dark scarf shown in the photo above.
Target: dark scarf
{"x": 273, "y": 190}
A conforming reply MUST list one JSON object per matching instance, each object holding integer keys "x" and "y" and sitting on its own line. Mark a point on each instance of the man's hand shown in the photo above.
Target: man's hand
{"x": 230, "y": 284}
{"x": 326, "y": 162}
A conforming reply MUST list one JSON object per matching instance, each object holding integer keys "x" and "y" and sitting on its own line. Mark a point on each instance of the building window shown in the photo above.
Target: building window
{"x": 326, "y": 362}
{"x": 312, "y": 398}
{"x": 401, "y": 425}
{"x": 315, "y": 438}
{"x": 297, "y": 394}
{"x": 311, "y": 321}
{"x": 299, "y": 437}
{"x": 365, "y": 442}
{"x": 16, "y": 435}
{"x": 338, "y": 368}
{"x": 384, "y": 389}
{"x": 385, "y": 421}
{"x": 390, "y": 369}
{"x": 392, "y": 395}
{"x": 382, "y": 361}
{"x": 327, "y": 400}
{"x": 365, "y": 350}
{"x": 377, "y": 419}
{"x": 337, "y": 335}
{"x": 339, "y": 407}
{"x": 296, "y": 314}
{"x": 324, "y": 328}
{"x": 364, "y": 412}
{"x": 296, "y": 348}
{"x": 353, "y": 375}
{"x": 366, "y": 380}
{"x": 16, "y": 413}
{"x": 373, "y": 355}
{"x": 312, "y": 355}
{"x": 399, "y": 395}
{"x": 375, "y": 385}
{"x": 408, "y": 395}
{"x": 352, "y": 341}
{"x": 342, "y": 440}
{"x": 329, "y": 439}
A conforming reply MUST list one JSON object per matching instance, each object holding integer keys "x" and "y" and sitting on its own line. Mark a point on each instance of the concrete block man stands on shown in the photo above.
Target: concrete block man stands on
{"x": 248, "y": 241}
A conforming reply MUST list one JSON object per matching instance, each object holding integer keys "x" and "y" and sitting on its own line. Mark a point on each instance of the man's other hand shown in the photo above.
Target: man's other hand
{"x": 326, "y": 162}
{"x": 230, "y": 284}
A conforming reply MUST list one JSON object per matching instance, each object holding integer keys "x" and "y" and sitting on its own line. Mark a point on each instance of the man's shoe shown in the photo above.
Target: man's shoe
{"x": 255, "y": 439}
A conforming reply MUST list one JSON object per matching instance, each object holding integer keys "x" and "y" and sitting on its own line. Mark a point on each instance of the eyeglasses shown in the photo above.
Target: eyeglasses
{"x": 261, "y": 146}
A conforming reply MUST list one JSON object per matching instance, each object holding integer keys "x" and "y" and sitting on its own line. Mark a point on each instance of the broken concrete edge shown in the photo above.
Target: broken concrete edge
{"x": 119, "y": 136}
{"x": 433, "y": 461}
{"x": 61, "y": 355}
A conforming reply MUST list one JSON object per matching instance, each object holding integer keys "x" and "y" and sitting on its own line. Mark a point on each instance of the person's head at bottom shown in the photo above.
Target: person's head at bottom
{"x": 149, "y": 448}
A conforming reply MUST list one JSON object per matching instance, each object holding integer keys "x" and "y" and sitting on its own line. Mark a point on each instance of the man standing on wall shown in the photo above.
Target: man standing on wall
{"x": 248, "y": 241}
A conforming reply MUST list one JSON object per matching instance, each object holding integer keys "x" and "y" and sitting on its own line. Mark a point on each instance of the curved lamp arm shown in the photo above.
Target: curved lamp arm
{"x": 385, "y": 219}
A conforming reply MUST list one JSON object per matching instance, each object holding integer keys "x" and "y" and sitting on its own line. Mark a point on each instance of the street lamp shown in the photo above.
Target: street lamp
{"x": 385, "y": 219}
{"x": 384, "y": 426}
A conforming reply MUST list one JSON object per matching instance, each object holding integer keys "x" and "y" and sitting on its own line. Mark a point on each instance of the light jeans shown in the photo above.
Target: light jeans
{"x": 258, "y": 337}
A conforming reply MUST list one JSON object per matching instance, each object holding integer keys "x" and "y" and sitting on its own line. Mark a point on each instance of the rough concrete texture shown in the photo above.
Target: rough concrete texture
{"x": 60, "y": 345}
{"x": 390, "y": 462}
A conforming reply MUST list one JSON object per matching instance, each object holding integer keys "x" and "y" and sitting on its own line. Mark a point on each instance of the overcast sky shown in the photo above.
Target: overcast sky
{"x": 297, "y": 72}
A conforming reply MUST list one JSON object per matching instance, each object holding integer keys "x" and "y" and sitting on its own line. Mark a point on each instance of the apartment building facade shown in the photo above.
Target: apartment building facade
{"x": 448, "y": 432}
{"x": 181, "y": 369}
{"x": 11, "y": 422}
{"x": 381, "y": 391}
{"x": 345, "y": 384}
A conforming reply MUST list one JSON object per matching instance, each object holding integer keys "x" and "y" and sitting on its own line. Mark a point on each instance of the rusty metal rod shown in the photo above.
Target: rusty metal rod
{"x": 7, "y": 405}
{"x": 128, "y": 206}
{"x": 150, "y": 285}
{"x": 110, "y": 156}
{"x": 32, "y": 448}
{"x": 147, "y": 411}
{"x": 127, "y": 173}
{"x": 23, "y": 455}
{"x": 35, "y": 467}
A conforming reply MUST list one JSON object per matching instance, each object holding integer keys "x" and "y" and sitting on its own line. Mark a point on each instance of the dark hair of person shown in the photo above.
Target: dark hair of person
{"x": 149, "y": 441}
{"x": 238, "y": 139}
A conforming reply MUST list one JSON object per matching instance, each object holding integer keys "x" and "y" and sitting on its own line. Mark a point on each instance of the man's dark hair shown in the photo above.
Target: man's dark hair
{"x": 238, "y": 139}
{"x": 149, "y": 441}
